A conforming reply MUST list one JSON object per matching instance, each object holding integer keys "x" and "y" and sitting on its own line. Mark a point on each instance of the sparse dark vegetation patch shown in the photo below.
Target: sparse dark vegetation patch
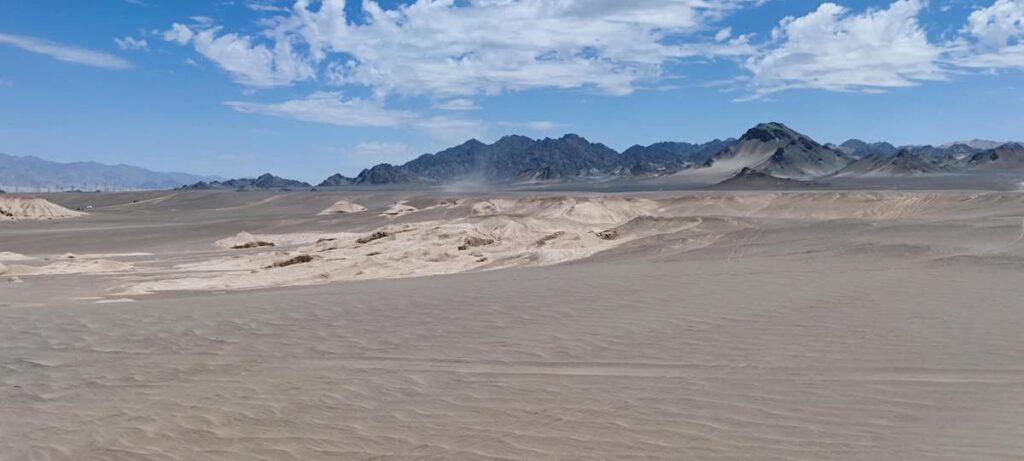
{"x": 300, "y": 259}
{"x": 547, "y": 238}
{"x": 256, "y": 244}
{"x": 374, "y": 236}
{"x": 473, "y": 241}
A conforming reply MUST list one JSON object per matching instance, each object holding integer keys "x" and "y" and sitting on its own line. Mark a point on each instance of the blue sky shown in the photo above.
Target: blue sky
{"x": 308, "y": 88}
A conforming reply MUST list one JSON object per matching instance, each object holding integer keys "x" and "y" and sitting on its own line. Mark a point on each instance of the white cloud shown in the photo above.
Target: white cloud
{"x": 6, "y": 83}
{"x": 542, "y": 126}
{"x": 329, "y": 108}
{"x": 265, "y": 6}
{"x": 457, "y": 104}
{"x": 333, "y": 109}
{"x": 249, "y": 64}
{"x": 453, "y": 49}
{"x": 488, "y": 46}
{"x": 993, "y": 37}
{"x": 999, "y": 25}
{"x": 203, "y": 21}
{"x": 130, "y": 43}
{"x": 832, "y": 49}
{"x": 65, "y": 53}
{"x": 723, "y": 35}
{"x": 179, "y": 33}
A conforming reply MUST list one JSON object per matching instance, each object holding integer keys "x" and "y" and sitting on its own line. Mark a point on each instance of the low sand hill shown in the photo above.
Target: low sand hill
{"x": 341, "y": 207}
{"x": 33, "y": 208}
{"x": 488, "y": 234}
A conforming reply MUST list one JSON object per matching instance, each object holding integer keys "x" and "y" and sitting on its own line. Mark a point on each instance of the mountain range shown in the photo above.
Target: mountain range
{"x": 766, "y": 152}
{"x": 519, "y": 158}
{"x": 36, "y": 173}
{"x": 265, "y": 181}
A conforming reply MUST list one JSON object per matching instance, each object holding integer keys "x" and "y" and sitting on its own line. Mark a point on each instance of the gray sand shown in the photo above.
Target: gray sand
{"x": 812, "y": 325}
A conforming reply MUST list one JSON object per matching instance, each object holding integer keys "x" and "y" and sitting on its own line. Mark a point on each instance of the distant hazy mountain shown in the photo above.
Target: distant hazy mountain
{"x": 33, "y": 172}
{"x": 977, "y": 144}
{"x": 902, "y": 163}
{"x": 266, "y": 181}
{"x": 669, "y": 157}
{"x": 748, "y": 178}
{"x": 777, "y": 150}
{"x": 1008, "y": 157}
{"x": 856, "y": 148}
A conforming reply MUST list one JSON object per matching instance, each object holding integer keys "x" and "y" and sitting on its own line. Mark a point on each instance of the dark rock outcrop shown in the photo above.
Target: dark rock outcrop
{"x": 749, "y": 178}
{"x": 266, "y": 181}
{"x": 336, "y": 180}
{"x": 777, "y": 150}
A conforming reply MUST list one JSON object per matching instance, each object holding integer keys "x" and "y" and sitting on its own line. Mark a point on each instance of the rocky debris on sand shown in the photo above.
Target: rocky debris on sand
{"x": 474, "y": 241}
{"x": 608, "y": 234}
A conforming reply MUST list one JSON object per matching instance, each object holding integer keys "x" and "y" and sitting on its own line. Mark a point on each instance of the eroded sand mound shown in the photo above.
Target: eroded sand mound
{"x": 33, "y": 208}
{"x": 399, "y": 208}
{"x": 342, "y": 206}
{"x": 9, "y": 256}
{"x": 244, "y": 240}
{"x": 492, "y": 234}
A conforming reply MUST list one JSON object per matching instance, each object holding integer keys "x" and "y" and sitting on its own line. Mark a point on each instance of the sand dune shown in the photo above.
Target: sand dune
{"x": 399, "y": 208}
{"x": 343, "y": 206}
{"x": 732, "y": 326}
{"x": 16, "y": 208}
{"x": 69, "y": 264}
{"x": 243, "y": 240}
{"x": 491, "y": 234}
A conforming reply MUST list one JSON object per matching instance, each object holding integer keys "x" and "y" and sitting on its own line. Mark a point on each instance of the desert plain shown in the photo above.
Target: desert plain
{"x": 393, "y": 325}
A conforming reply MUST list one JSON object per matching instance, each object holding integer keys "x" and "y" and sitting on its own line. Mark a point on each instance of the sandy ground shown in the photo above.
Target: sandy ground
{"x": 811, "y": 325}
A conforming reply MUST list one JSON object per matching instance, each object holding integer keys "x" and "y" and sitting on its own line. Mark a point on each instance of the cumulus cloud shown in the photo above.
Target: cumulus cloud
{"x": 993, "y": 37}
{"x": 833, "y": 49}
{"x": 453, "y": 49}
{"x": 265, "y": 7}
{"x": 250, "y": 64}
{"x": 130, "y": 43}
{"x": 65, "y": 53}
